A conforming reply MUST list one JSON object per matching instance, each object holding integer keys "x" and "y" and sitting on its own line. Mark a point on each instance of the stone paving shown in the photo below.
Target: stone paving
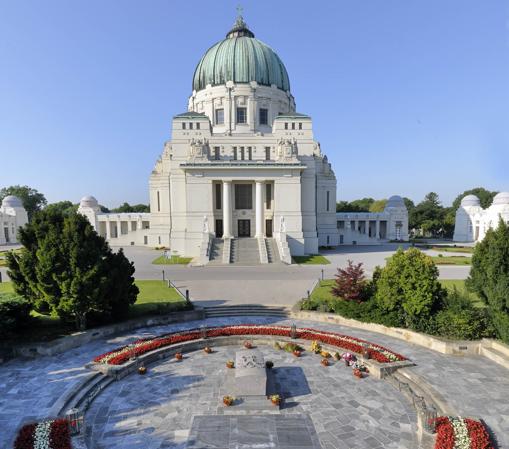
{"x": 475, "y": 386}
{"x": 157, "y": 409}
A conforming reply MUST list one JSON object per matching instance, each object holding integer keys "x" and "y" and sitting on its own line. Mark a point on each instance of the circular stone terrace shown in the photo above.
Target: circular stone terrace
{"x": 157, "y": 410}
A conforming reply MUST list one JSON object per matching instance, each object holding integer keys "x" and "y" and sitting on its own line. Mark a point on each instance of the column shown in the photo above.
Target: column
{"x": 259, "y": 209}
{"x": 108, "y": 230}
{"x": 377, "y": 232}
{"x": 227, "y": 210}
{"x": 367, "y": 228}
{"x": 118, "y": 227}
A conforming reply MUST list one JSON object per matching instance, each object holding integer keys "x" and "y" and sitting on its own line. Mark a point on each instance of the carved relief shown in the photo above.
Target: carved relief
{"x": 198, "y": 150}
{"x": 158, "y": 167}
{"x": 286, "y": 150}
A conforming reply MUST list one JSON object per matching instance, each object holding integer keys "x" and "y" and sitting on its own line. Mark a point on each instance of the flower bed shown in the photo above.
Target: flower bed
{"x": 51, "y": 434}
{"x": 461, "y": 433}
{"x": 123, "y": 354}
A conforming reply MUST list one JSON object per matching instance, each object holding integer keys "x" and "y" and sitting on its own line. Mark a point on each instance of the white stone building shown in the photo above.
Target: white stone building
{"x": 367, "y": 228}
{"x": 242, "y": 163}
{"x": 12, "y": 216}
{"x": 472, "y": 221}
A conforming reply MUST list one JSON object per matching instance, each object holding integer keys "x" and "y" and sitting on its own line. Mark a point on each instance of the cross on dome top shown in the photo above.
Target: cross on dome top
{"x": 239, "y": 27}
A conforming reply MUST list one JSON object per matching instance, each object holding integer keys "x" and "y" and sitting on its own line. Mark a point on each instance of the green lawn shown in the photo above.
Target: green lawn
{"x": 452, "y": 260}
{"x": 154, "y": 298}
{"x": 173, "y": 260}
{"x": 322, "y": 292}
{"x": 454, "y": 249}
{"x": 312, "y": 259}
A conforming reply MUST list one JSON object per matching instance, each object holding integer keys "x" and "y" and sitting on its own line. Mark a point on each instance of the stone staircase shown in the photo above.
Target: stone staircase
{"x": 246, "y": 310}
{"x": 216, "y": 252}
{"x": 244, "y": 251}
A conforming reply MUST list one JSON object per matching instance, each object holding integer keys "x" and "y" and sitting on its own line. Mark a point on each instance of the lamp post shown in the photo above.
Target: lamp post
{"x": 293, "y": 331}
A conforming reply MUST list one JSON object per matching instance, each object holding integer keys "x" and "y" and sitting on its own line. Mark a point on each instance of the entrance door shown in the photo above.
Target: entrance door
{"x": 219, "y": 228}
{"x": 244, "y": 228}
{"x": 268, "y": 228}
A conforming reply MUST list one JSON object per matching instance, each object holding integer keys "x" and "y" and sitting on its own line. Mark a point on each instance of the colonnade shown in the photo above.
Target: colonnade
{"x": 228, "y": 209}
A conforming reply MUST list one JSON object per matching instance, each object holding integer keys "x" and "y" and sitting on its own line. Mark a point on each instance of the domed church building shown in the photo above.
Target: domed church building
{"x": 243, "y": 176}
{"x": 242, "y": 161}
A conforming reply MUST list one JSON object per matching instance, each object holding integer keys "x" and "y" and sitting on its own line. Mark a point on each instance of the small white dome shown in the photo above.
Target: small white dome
{"x": 11, "y": 201}
{"x": 470, "y": 200}
{"x": 501, "y": 198}
{"x": 395, "y": 201}
{"x": 88, "y": 201}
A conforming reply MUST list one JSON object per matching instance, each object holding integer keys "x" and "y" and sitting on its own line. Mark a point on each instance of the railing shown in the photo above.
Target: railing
{"x": 283, "y": 248}
{"x": 227, "y": 250}
{"x": 205, "y": 247}
{"x": 426, "y": 413}
{"x": 262, "y": 249}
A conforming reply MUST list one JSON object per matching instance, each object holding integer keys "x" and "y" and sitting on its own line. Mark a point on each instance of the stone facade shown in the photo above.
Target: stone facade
{"x": 472, "y": 221}
{"x": 12, "y": 216}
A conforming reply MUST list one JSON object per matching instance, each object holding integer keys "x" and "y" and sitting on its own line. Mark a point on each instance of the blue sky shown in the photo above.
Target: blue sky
{"x": 406, "y": 96}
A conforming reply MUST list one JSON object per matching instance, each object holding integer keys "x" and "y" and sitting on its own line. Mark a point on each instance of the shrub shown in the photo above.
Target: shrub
{"x": 14, "y": 313}
{"x": 350, "y": 283}
{"x": 409, "y": 286}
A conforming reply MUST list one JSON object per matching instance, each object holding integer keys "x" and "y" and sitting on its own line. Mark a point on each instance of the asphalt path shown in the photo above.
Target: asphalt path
{"x": 273, "y": 284}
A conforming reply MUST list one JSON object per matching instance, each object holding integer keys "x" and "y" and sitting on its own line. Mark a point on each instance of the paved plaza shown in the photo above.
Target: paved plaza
{"x": 159, "y": 407}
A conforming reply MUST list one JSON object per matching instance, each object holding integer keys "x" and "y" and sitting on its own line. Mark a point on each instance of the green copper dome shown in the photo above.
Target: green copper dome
{"x": 240, "y": 58}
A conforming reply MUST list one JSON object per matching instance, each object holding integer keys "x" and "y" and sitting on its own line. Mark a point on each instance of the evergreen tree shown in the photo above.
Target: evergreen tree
{"x": 489, "y": 276}
{"x": 67, "y": 269}
{"x": 409, "y": 285}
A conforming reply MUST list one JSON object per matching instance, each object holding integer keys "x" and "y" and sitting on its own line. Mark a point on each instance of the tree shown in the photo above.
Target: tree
{"x": 67, "y": 269}
{"x": 489, "y": 276}
{"x": 63, "y": 207}
{"x": 428, "y": 215}
{"x": 350, "y": 283}
{"x": 409, "y": 285}
{"x": 354, "y": 206}
{"x": 378, "y": 205}
{"x": 32, "y": 200}
{"x": 126, "y": 207}
{"x": 485, "y": 197}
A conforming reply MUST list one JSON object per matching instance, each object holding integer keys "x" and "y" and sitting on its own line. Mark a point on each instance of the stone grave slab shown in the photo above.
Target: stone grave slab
{"x": 250, "y": 373}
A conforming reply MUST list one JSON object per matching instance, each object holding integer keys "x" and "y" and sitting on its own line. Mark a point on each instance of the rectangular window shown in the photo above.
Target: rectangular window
{"x": 268, "y": 196}
{"x": 241, "y": 115}
{"x": 190, "y": 126}
{"x": 267, "y": 153}
{"x": 158, "y": 202}
{"x": 328, "y": 198}
{"x": 216, "y": 153}
{"x": 183, "y": 125}
{"x": 235, "y": 153}
{"x": 133, "y": 226}
{"x": 341, "y": 224}
{"x": 293, "y": 125}
{"x": 218, "y": 196}
{"x": 300, "y": 125}
{"x": 243, "y": 196}
{"x": 250, "y": 153}
{"x": 197, "y": 126}
{"x": 286, "y": 125}
{"x": 219, "y": 116}
{"x": 241, "y": 153}
{"x": 264, "y": 116}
